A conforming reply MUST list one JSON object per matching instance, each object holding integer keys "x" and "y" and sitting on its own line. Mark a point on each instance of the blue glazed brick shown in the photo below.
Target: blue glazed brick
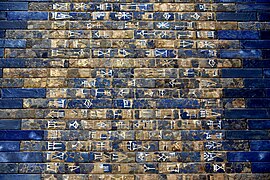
{"x": 142, "y": 104}
{"x": 23, "y": 93}
{"x": 240, "y": 54}
{"x": 10, "y": 43}
{"x": 259, "y": 124}
{"x": 260, "y": 167}
{"x": 255, "y": 44}
{"x": 243, "y": 93}
{"x": 265, "y": 35}
{"x": 10, "y": 124}
{"x": 20, "y": 176}
{"x": 256, "y": 63}
{"x": 1, "y": 74}
{"x": 3, "y": 15}
{"x": 258, "y": 145}
{"x": 14, "y": 135}
{"x": 2, "y": 33}
{"x": 1, "y": 52}
{"x": 248, "y": 156}
{"x": 8, "y": 168}
{"x": 267, "y": 92}
{"x": 257, "y": 83}
{"x": 160, "y": 16}
{"x": 264, "y": 16}
{"x": 21, "y": 157}
{"x": 266, "y": 73}
{"x": 115, "y": 17}
{"x": 246, "y": 113}
{"x": 235, "y": 34}
{"x": 196, "y": 53}
{"x": 165, "y": 53}
{"x": 13, "y": 6}
{"x": 95, "y": 103}
{"x": 8, "y": 146}
{"x": 122, "y": 103}
{"x": 2, "y": 43}
{"x": 5, "y": 103}
{"x": 13, "y": 24}
{"x": 266, "y": 54}
{"x": 236, "y": 73}
{"x": 248, "y": 135}
{"x": 258, "y": 103}
{"x": 189, "y": 156}
{"x": 253, "y": 7}
{"x": 228, "y": 16}
{"x": 27, "y": 15}
{"x": 8, "y": 63}
{"x": 177, "y": 103}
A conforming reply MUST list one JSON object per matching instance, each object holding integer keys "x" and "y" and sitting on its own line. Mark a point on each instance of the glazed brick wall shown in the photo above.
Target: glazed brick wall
{"x": 134, "y": 89}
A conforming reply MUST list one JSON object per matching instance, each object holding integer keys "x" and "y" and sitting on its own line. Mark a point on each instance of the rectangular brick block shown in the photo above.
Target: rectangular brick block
{"x": 21, "y": 135}
{"x": 13, "y": 104}
{"x": 13, "y": 24}
{"x": 23, "y": 93}
{"x": 11, "y": 6}
{"x": 27, "y": 15}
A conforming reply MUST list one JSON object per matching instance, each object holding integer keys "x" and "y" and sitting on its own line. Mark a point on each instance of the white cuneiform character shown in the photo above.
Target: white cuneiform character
{"x": 124, "y": 15}
{"x": 52, "y": 167}
{"x": 162, "y": 157}
{"x": 133, "y": 146}
{"x": 127, "y": 103}
{"x": 60, "y": 6}
{"x": 148, "y": 168}
{"x": 163, "y": 53}
{"x": 60, "y": 156}
{"x": 212, "y": 62}
{"x": 218, "y": 167}
{"x": 74, "y": 125}
{"x": 195, "y": 16}
{"x": 212, "y": 145}
{"x": 98, "y": 15}
{"x": 209, "y": 156}
{"x": 73, "y": 168}
{"x": 175, "y": 168}
{"x": 167, "y": 16}
{"x": 163, "y": 25}
{"x": 60, "y": 15}
{"x": 184, "y": 43}
{"x": 54, "y": 145}
{"x": 88, "y": 103}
